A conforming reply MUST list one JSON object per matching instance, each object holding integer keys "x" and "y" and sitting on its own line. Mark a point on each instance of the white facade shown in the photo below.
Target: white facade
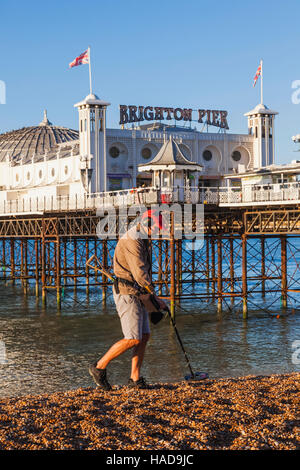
{"x": 97, "y": 159}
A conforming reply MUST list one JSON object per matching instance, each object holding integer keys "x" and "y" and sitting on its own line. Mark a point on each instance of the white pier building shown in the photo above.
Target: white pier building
{"x": 48, "y": 168}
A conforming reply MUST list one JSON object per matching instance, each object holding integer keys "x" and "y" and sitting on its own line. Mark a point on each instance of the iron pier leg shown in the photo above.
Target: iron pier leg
{"x": 36, "y": 247}
{"x": 263, "y": 267}
{"x": 213, "y": 268}
{"x": 172, "y": 268}
{"x": 244, "y": 275}
{"x": 220, "y": 276}
{"x": 231, "y": 269}
{"x": 283, "y": 272}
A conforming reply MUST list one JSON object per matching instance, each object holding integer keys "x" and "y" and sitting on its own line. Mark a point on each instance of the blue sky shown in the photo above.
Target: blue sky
{"x": 196, "y": 54}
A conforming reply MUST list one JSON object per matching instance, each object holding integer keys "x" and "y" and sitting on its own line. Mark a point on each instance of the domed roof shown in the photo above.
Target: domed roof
{"x": 36, "y": 140}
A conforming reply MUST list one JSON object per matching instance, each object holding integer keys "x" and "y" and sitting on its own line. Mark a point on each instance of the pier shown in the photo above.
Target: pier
{"x": 248, "y": 259}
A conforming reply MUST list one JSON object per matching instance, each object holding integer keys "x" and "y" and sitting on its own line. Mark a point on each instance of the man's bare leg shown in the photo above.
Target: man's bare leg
{"x": 116, "y": 350}
{"x": 138, "y": 356}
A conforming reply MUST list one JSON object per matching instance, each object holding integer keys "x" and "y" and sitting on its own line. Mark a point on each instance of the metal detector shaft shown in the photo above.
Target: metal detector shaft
{"x": 181, "y": 344}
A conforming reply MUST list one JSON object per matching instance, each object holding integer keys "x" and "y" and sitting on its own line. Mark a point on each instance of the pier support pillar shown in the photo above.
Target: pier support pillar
{"x": 36, "y": 250}
{"x": 58, "y": 271}
{"x": 231, "y": 262}
{"x": 87, "y": 269}
{"x": 244, "y": 276}
{"x": 159, "y": 267}
{"x": 104, "y": 278}
{"x": 213, "y": 268}
{"x": 220, "y": 277}
{"x": 12, "y": 260}
{"x": 172, "y": 268}
{"x": 283, "y": 272}
{"x": 263, "y": 267}
{"x": 43, "y": 259}
{"x": 207, "y": 264}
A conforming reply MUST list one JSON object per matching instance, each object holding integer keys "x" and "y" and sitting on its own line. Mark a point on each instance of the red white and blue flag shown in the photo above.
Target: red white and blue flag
{"x": 258, "y": 73}
{"x": 81, "y": 59}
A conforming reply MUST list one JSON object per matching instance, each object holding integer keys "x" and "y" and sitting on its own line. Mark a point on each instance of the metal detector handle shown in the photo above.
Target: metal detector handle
{"x": 99, "y": 267}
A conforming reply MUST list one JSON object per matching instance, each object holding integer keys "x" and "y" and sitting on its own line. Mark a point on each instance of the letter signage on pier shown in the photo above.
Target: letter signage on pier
{"x": 132, "y": 113}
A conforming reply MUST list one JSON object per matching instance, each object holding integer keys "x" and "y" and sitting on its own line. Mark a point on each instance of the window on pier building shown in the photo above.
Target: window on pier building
{"x": 207, "y": 155}
{"x": 236, "y": 156}
{"x": 92, "y": 120}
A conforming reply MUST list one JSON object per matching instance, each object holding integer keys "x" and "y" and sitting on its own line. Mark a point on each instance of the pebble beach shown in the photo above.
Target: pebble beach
{"x": 249, "y": 413}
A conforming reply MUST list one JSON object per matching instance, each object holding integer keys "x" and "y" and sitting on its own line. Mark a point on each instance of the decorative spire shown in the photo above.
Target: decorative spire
{"x": 45, "y": 121}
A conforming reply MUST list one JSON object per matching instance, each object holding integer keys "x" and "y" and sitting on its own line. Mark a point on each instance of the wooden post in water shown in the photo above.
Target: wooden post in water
{"x": 244, "y": 275}
{"x": 283, "y": 272}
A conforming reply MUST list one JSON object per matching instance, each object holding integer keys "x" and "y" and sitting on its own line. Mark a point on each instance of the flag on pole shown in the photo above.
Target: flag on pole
{"x": 81, "y": 59}
{"x": 258, "y": 73}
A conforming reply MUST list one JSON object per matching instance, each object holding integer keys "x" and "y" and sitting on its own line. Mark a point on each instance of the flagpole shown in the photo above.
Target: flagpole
{"x": 261, "y": 82}
{"x": 90, "y": 73}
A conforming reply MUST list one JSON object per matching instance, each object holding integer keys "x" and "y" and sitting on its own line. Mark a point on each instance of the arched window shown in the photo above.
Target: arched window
{"x": 207, "y": 155}
{"x": 114, "y": 152}
{"x": 236, "y": 156}
{"x": 146, "y": 153}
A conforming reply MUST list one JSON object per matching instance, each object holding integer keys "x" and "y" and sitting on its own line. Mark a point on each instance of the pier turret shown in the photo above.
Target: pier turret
{"x": 261, "y": 126}
{"x": 92, "y": 137}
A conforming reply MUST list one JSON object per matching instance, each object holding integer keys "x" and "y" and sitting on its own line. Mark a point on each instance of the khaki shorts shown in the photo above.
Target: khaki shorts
{"x": 133, "y": 315}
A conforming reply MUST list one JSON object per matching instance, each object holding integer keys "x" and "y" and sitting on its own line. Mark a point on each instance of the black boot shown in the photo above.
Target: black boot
{"x": 99, "y": 376}
{"x": 140, "y": 383}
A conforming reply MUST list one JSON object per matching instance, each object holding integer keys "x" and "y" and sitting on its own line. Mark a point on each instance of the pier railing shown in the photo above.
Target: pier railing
{"x": 286, "y": 193}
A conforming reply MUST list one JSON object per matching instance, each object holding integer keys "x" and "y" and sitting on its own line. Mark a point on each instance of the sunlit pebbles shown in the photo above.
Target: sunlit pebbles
{"x": 242, "y": 413}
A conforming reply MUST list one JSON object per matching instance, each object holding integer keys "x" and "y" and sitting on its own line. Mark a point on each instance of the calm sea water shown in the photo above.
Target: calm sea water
{"x": 46, "y": 351}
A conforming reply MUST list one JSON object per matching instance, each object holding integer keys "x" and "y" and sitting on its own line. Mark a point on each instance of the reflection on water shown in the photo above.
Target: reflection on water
{"x": 48, "y": 352}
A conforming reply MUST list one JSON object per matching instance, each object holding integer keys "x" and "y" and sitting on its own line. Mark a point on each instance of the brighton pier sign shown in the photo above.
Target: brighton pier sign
{"x": 211, "y": 117}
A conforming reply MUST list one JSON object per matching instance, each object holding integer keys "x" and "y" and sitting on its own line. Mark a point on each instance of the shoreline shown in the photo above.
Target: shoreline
{"x": 245, "y": 413}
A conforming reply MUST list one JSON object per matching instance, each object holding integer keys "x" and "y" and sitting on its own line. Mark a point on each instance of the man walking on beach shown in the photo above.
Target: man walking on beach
{"x": 132, "y": 268}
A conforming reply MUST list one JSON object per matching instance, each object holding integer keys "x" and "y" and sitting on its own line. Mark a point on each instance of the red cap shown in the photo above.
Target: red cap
{"x": 155, "y": 216}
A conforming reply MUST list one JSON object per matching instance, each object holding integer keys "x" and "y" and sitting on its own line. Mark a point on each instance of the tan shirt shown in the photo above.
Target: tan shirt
{"x": 132, "y": 261}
